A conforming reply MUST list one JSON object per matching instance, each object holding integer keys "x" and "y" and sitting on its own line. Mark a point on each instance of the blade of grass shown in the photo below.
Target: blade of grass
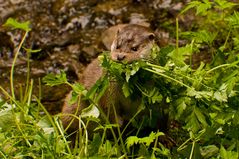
{"x": 14, "y": 62}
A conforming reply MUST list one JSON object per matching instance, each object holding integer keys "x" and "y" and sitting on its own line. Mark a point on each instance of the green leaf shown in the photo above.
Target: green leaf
{"x": 53, "y": 80}
{"x": 79, "y": 89}
{"x": 32, "y": 51}
{"x": 223, "y": 4}
{"x": 203, "y": 7}
{"x": 126, "y": 89}
{"x": 155, "y": 51}
{"x": 106, "y": 149}
{"x": 201, "y": 36}
{"x": 45, "y": 124}
{"x": 131, "y": 141}
{"x": 200, "y": 116}
{"x": 195, "y": 120}
{"x": 74, "y": 98}
{"x": 106, "y": 126}
{"x": 7, "y": 116}
{"x": 190, "y": 5}
{"x": 91, "y": 111}
{"x": 131, "y": 70}
{"x": 228, "y": 154}
{"x": 155, "y": 96}
{"x": 200, "y": 94}
{"x": 98, "y": 89}
{"x": 150, "y": 139}
{"x": 17, "y": 25}
{"x": 95, "y": 144}
{"x": 209, "y": 151}
{"x": 236, "y": 43}
{"x": 180, "y": 106}
{"x": 220, "y": 96}
{"x": 233, "y": 20}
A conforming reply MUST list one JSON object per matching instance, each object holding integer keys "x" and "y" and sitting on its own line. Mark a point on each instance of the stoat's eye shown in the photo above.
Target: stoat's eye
{"x": 117, "y": 46}
{"x": 134, "y": 48}
{"x": 151, "y": 36}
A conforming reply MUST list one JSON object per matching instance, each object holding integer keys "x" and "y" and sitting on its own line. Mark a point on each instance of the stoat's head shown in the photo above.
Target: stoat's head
{"x": 132, "y": 42}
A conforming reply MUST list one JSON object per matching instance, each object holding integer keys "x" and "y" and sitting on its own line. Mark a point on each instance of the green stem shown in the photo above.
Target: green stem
{"x": 166, "y": 76}
{"x": 29, "y": 96}
{"x": 64, "y": 139}
{"x": 177, "y": 36}
{"x": 14, "y": 62}
{"x": 28, "y": 74}
{"x": 224, "y": 65}
{"x": 183, "y": 145}
{"x": 120, "y": 136}
{"x": 192, "y": 150}
{"x": 155, "y": 144}
{"x": 11, "y": 98}
{"x": 47, "y": 114}
{"x": 228, "y": 35}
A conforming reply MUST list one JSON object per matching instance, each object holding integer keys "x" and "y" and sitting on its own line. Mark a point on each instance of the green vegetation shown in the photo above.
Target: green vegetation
{"x": 202, "y": 102}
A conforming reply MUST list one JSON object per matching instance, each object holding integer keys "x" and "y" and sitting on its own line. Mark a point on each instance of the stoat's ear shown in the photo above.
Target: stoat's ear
{"x": 151, "y": 36}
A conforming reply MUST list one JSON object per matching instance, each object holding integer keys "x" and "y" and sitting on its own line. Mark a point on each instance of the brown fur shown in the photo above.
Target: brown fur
{"x": 132, "y": 42}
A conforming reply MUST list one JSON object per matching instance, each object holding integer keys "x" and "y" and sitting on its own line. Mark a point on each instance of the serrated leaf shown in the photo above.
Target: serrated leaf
{"x": 79, "y": 89}
{"x": 196, "y": 120}
{"x": 190, "y": 5}
{"x": 181, "y": 106}
{"x": 131, "y": 70}
{"x": 200, "y": 116}
{"x": 17, "y": 25}
{"x": 233, "y": 19}
{"x": 203, "y": 7}
{"x": 45, "y": 124}
{"x": 150, "y": 139}
{"x": 95, "y": 144}
{"x": 106, "y": 149}
{"x": 228, "y": 154}
{"x": 236, "y": 43}
{"x": 91, "y": 111}
{"x": 200, "y": 36}
{"x": 74, "y": 98}
{"x": 220, "y": 96}
{"x": 209, "y": 151}
{"x": 53, "y": 80}
{"x": 155, "y": 51}
{"x": 104, "y": 60}
{"x": 130, "y": 141}
{"x": 223, "y": 4}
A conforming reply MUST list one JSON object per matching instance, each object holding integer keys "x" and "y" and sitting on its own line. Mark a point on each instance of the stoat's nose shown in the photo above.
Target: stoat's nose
{"x": 120, "y": 57}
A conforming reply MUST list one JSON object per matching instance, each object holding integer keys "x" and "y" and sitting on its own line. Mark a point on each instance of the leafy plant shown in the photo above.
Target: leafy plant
{"x": 201, "y": 104}
{"x": 23, "y": 132}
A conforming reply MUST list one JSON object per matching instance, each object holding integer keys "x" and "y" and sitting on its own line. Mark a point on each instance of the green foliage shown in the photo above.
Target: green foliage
{"x": 24, "y": 133}
{"x": 53, "y": 80}
{"x": 17, "y": 25}
{"x": 202, "y": 102}
{"x": 145, "y": 140}
{"x": 201, "y": 7}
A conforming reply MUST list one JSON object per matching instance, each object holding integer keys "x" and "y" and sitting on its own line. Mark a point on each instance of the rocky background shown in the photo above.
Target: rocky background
{"x": 70, "y": 33}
